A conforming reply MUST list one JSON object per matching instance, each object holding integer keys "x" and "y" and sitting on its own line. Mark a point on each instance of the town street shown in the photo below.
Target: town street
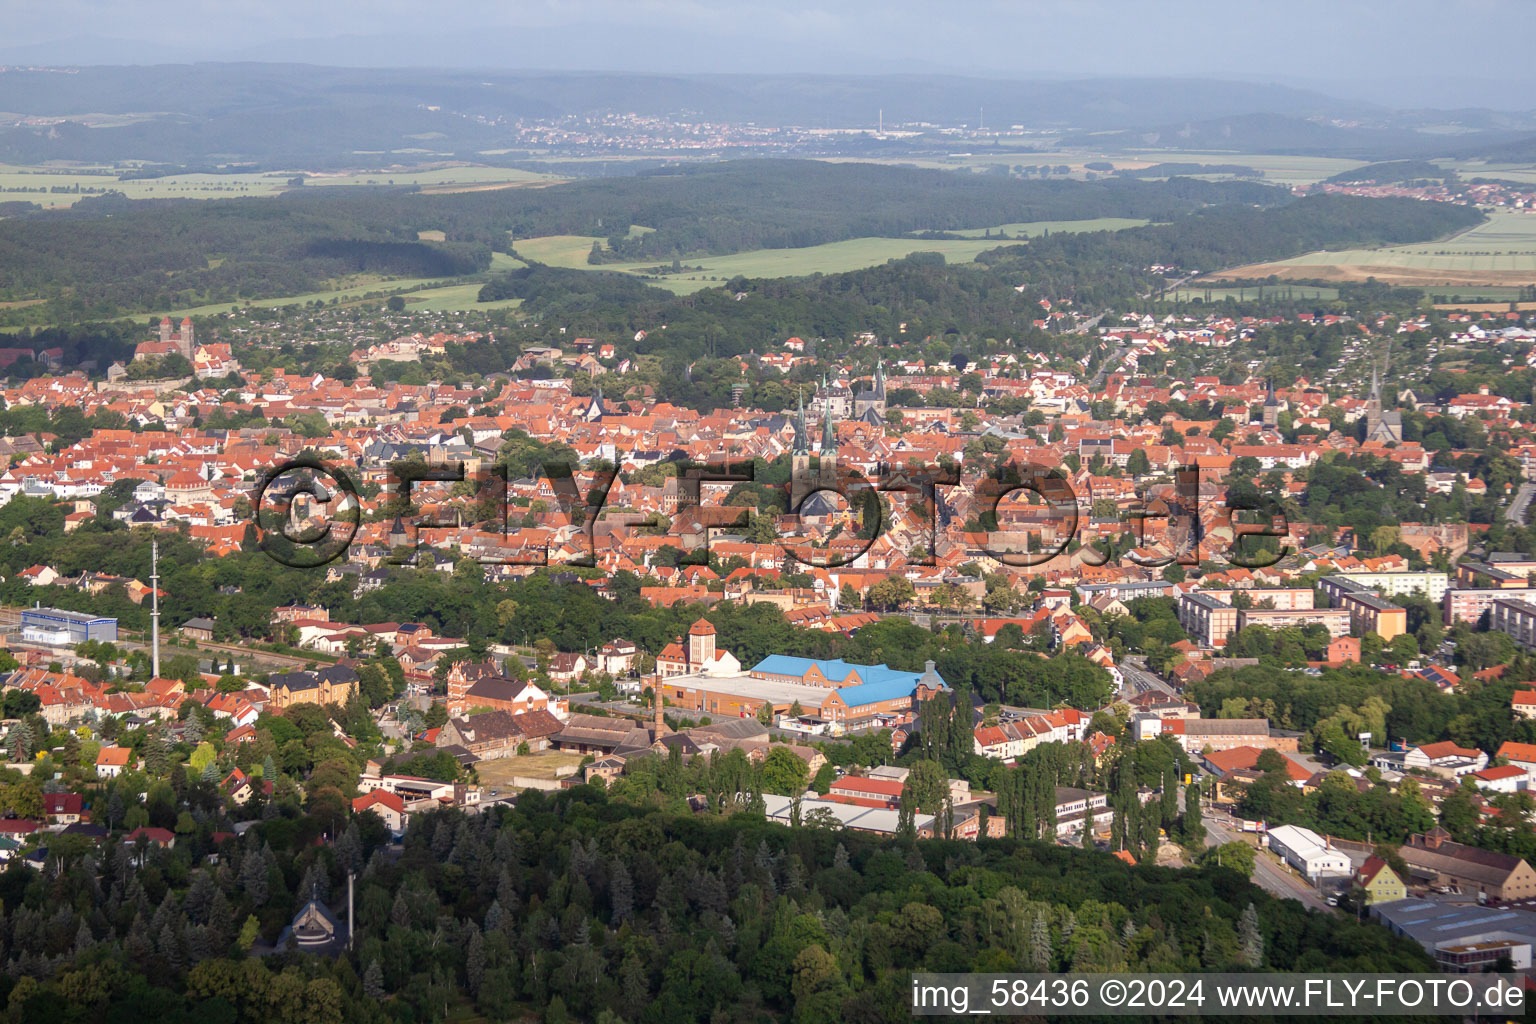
{"x": 1219, "y": 828}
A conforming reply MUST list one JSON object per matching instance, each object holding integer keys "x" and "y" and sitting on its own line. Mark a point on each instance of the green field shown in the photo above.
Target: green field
{"x": 351, "y": 290}
{"x": 1278, "y": 169}
{"x": 1034, "y": 229}
{"x": 1220, "y": 293}
{"x": 443, "y": 179}
{"x": 453, "y": 298}
{"x": 180, "y": 186}
{"x": 1500, "y": 251}
{"x": 229, "y": 186}
{"x": 570, "y": 251}
{"x": 1525, "y": 173}
{"x": 426, "y": 294}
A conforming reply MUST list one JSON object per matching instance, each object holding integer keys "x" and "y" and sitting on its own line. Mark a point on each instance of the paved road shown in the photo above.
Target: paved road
{"x": 1138, "y": 680}
{"x": 1110, "y": 364}
{"x": 1516, "y": 511}
{"x": 1275, "y": 880}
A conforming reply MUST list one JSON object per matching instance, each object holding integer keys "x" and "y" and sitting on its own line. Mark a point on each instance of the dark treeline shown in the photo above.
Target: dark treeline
{"x": 136, "y": 257}
{"x": 1231, "y": 236}
{"x": 582, "y": 907}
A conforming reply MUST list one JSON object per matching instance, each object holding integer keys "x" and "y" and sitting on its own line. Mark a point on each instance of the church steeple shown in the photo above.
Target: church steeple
{"x": 828, "y": 435}
{"x": 802, "y": 444}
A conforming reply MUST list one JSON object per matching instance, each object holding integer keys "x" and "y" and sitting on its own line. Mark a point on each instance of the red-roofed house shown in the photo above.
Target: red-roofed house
{"x": 63, "y": 808}
{"x": 1509, "y": 778}
{"x": 1522, "y": 755}
{"x": 1523, "y": 703}
{"x": 387, "y": 805}
{"x": 1222, "y": 763}
{"x": 1380, "y": 882}
{"x": 160, "y": 837}
{"x": 111, "y": 761}
{"x": 1446, "y": 759}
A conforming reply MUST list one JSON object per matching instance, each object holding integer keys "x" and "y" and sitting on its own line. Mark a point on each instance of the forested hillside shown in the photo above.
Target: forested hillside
{"x": 933, "y": 299}
{"x": 613, "y": 911}
{"x": 109, "y": 255}
{"x": 112, "y": 256}
{"x": 1232, "y": 236}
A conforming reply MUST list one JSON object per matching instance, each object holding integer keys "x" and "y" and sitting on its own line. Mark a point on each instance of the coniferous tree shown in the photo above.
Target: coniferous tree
{"x": 1250, "y": 939}
{"x": 474, "y": 961}
{"x": 1039, "y": 943}
{"x": 621, "y": 894}
{"x": 373, "y": 981}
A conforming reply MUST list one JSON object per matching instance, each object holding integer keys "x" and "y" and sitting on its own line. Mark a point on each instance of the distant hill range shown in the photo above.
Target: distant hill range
{"x": 1377, "y": 139}
{"x": 294, "y": 115}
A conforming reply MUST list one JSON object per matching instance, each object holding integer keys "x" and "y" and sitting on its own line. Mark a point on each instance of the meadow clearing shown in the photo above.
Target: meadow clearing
{"x": 231, "y": 186}
{"x": 420, "y": 293}
{"x": 1501, "y": 251}
{"x": 571, "y": 251}
{"x": 1034, "y": 229}
{"x": 1279, "y": 169}
{"x": 1220, "y": 293}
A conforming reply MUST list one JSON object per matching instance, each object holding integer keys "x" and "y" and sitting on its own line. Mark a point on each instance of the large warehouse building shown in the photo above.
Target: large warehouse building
{"x": 834, "y": 694}
{"x": 55, "y": 627}
{"x": 1309, "y": 853}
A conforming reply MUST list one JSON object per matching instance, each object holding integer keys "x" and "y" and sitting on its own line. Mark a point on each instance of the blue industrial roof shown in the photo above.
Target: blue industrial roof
{"x": 881, "y": 682}
{"x": 885, "y": 689}
{"x": 835, "y": 670}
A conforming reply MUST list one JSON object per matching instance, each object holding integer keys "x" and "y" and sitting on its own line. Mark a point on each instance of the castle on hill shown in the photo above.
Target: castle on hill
{"x": 170, "y": 340}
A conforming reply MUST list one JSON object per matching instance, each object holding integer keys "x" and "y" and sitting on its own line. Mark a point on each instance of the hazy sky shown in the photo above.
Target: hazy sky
{"x": 1409, "y": 52}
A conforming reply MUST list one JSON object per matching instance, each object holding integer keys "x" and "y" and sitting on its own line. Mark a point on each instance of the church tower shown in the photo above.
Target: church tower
{"x": 800, "y": 459}
{"x": 827, "y": 467}
{"x": 1381, "y": 425}
{"x": 1373, "y": 405}
{"x": 1271, "y": 406}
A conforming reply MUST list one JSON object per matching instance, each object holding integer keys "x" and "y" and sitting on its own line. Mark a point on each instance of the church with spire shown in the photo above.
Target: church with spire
{"x": 869, "y": 405}
{"x": 1271, "y": 410}
{"x": 810, "y": 479}
{"x": 1384, "y": 425}
{"x": 594, "y": 411}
